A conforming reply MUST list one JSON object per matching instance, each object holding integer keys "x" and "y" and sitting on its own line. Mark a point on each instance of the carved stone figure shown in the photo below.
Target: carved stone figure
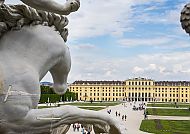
{"x": 52, "y": 6}
{"x": 32, "y": 42}
{"x": 185, "y": 18}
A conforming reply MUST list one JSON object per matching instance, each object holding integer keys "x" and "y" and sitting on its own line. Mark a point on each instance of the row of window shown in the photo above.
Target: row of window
{"x": 98, "y": 90}
{"x": 174, "y": 100}
{"x": 139, "y": 88}
{"x": 135, "y": 99}
{"x": 98, "y": 87}
{"x": 171, "y": 88}
{"x": 170, "y": 95}
{"x": 131, "y": 88}
{"x": 104, "y": 94}
{"x": 139, "y": 83}
{"x": 139, "y": 95}
{"x": 101, "y": 99}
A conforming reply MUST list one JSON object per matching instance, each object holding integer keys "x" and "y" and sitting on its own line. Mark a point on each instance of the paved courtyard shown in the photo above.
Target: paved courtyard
{"x": 133, "y": 121}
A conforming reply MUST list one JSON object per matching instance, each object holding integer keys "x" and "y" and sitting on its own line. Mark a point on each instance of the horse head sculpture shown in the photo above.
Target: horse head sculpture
{"x": 32, "y": 42}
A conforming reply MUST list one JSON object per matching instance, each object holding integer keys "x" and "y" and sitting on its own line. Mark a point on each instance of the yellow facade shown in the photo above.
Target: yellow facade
{"x": 137, "y": 89}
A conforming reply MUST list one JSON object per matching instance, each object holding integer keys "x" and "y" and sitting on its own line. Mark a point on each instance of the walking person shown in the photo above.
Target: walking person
{"x": 125, "y": 117}
{"x": 78, "y": 127}
{"x": 74, "y": 127}
{"x": 83, "y": 131}
{"x": 122, "y": 117}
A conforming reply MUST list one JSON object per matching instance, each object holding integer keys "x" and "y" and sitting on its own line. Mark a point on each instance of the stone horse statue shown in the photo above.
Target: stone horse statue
{"x": 32, "y": 42}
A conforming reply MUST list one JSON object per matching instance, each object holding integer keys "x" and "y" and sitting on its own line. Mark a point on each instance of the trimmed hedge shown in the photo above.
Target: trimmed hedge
{"x": 47, "y": 92}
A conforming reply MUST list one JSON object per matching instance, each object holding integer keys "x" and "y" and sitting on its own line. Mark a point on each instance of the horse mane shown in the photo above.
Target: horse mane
{"x": 14, "y": 17}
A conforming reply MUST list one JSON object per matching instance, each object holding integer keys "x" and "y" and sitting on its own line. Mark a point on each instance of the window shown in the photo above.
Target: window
{"x": 129, "y": 94}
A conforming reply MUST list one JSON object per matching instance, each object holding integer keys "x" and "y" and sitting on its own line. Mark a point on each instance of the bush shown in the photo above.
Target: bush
{"x": 47, "y": 92}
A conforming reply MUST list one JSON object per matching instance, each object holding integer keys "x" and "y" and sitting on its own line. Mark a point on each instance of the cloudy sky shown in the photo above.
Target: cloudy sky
{"x": 121, "y": 39}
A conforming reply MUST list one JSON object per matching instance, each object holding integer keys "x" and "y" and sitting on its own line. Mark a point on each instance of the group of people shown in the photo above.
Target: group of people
{"x": 140, "y": 107}
{"x": 78, "y": 127}
{"x": 123, "y": 117}
{"x": 109, "y": 111}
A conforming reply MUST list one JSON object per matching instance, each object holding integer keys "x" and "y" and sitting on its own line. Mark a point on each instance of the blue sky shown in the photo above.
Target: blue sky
{"x": 121, "y": 39}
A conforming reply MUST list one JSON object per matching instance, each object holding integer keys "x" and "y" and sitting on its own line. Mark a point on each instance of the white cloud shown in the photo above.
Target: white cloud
{"x": 97, "y": 17}
{"x": 137, "y": 69}
{"x": 104, "y": 17}
{"x": 160, "y": 66}
{"x": 173, "y": 66}
{"x": 145, "y": 42}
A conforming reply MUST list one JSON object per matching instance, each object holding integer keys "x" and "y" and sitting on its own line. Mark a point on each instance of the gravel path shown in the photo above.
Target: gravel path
{"x": 133, "y": 121}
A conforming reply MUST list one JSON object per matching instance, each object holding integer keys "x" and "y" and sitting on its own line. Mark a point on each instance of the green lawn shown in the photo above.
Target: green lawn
{"x": 87, "y": 108}
{"x": 182, "y": 105}
{"x": 93, "y": 104}
{"x": 40, "y": 107}
{"x": 168, "y": 112}
{"x": 165, "y": 127}
{"x": 89, "y": 105}
{"x": 92, "y": 108}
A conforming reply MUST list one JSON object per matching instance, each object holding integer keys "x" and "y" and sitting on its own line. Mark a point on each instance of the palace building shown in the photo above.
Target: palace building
{"x": 137, "y": 89}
